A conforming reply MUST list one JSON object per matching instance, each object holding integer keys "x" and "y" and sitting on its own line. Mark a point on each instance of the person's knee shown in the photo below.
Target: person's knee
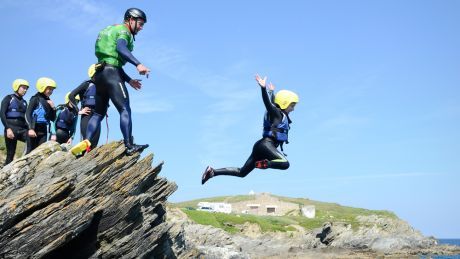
{"x": 97, "y": 116}
{"x": 285, "y": 165}
{"x": 125, "y": 109}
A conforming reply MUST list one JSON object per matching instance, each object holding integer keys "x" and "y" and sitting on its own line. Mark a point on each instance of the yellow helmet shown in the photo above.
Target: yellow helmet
{"x": 285, "y": 97}
{"x": 18, "y": 82}
{"x": 66, "y": 99}
{"x": 92, "y": 70}
{"x": 43, "y": 83}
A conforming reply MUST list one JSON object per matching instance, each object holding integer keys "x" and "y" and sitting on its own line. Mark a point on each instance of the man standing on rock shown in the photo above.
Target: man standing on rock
{"x": 113, "y": 49}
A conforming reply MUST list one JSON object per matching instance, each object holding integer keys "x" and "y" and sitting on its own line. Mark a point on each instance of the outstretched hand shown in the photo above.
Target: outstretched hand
{"x": 261, "y": 81}
{"x": 271, "y": 86}
{"x": 143, "y": 70}
{"x": 135, "y": 83}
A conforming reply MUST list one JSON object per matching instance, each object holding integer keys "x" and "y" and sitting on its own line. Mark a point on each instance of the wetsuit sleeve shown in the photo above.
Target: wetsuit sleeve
{"x": 122, "y": 49}
{"x": 50, "y": 112}
{"x": 74, "y": 126}
{"x": 53, "y": 123}
{"x": 5, "y": 103}
{"x": 80, "y": 90}
{"x": 271, "y": 95}
{"x": 125, "y": 76}
{"x": 271, "y": 108}
{"x": 30, "y": 109}
{"x": 274, "y": 112}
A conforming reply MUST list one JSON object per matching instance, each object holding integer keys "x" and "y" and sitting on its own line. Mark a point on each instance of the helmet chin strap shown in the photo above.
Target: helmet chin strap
{"x": 133, "y": 32}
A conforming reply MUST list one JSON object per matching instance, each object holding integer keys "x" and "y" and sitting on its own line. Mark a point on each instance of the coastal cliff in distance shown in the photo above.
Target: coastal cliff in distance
{"x": 109, "y": 205}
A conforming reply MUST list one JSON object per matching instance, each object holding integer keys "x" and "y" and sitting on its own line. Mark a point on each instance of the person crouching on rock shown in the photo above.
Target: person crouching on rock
{"x": 40, "y": 112}
{"x": 265, "y": 153}
{"x": 12, "y": 114}
{"x": 63, "y": 127}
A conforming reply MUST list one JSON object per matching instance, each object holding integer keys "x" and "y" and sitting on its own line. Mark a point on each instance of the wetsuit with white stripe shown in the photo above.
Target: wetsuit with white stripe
{"x": 113, "y": 49}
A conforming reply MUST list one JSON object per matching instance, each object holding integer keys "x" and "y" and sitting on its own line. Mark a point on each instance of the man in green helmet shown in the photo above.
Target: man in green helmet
{"x": 113, "y": 49}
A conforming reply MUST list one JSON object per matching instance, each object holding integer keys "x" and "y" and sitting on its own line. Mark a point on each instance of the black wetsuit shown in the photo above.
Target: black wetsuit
{"x": 40, "y": 125}
{"x": 264, "y": 149}
{"x": 110, "y": 85}
{"x": 14, "y": 121}
{"x": 81, "y": 91}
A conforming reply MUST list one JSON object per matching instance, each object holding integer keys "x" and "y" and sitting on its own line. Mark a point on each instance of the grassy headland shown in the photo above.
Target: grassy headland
{"x": 325, "y": 212}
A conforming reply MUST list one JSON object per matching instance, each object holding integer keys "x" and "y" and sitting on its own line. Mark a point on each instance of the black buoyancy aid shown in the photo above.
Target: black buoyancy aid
{"x": 89, "y": 98}
{"x": 17, "y": 108}
{"x": 278, "y": 132}
{"x": 65, "y": 117}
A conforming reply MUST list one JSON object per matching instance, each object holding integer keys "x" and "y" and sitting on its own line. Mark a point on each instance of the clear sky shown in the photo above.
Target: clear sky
{"x": 378, "y": 121}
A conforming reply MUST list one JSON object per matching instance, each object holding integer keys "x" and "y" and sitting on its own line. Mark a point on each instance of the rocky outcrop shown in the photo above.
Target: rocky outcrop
{"x": 105, "y": 204}
{"x": 378, "y": 237}
{"x": 376, "y": 233}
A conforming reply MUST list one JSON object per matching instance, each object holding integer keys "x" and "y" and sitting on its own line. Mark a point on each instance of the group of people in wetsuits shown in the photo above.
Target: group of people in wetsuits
{"x": 27, "y": 122}
{"x": 31, "y": 122}
{"x": 107, "y": 82}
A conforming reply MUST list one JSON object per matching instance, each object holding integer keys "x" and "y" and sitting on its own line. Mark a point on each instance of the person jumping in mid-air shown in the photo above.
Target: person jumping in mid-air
{"x": 265, "y": 153}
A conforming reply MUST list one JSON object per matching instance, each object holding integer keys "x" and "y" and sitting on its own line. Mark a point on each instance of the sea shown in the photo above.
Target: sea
{"x": 446, "y": 241}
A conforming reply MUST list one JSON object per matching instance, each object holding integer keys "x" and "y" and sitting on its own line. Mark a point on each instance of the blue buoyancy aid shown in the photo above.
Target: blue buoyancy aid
{"x": 278, "y": 132}
{"x": 17, "y": 108}
{"x": 39, "y": 114}
{"x": 65, "y": 118}
{"x": 89, "y": 98}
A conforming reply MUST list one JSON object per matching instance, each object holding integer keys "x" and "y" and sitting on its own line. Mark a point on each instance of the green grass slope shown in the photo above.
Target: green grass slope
{"x": 325, "y": 212}
{"x": 19, "y": 149}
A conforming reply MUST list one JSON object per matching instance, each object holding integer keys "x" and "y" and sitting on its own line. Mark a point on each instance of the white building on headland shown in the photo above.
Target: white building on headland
{"x": 215, "y": 207}
{"x": 309, "y": 211}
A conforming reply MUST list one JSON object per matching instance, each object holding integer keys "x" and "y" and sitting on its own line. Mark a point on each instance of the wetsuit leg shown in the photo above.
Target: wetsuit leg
{"x": 239, "y": 172}
{"x": 19, "y": 128}
{"x": 41, "y": 131}
{"x": 266, "y": 149}
{"x": 10, "y": 148}
{"x": 103, "y": 87}
{"x": 84, "y": 126}
{"x": 110, "y": 85}
{"x": 94, "y": 127}
{"x": 42, "y": 135}
{"x": 62, "y": 136}
{"x": 24, "y": 137}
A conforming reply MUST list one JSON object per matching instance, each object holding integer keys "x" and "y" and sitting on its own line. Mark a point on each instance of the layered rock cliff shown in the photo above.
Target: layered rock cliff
{"x": 105, "y": 204}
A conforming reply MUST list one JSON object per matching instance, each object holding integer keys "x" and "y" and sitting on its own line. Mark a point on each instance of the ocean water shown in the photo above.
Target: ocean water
{"x": 447, "y": 242}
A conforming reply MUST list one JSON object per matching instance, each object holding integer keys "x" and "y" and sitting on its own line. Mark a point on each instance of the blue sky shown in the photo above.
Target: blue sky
{"x": 378, "y": 121}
